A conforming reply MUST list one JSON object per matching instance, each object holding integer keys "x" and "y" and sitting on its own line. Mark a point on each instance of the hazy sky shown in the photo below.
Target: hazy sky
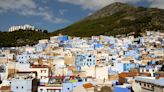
{"x": 56, "y": 14}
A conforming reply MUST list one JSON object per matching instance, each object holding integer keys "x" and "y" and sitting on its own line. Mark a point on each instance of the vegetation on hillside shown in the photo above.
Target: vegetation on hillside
{"x": 117, "y": 19}
{"x": 21, "y": 38}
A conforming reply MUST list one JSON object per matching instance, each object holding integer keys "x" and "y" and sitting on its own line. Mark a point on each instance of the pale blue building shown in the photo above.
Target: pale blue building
{"x": 63, "y": 38}
{"x": 69, "y": 86}
{"x": 85, "y": 60}
{"x": 122, "y": 89}
{"x": 24, "y": 85}
{"x": 128, "y": 66}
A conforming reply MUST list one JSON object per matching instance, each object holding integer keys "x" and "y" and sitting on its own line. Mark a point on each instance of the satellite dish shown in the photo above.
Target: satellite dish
{"x": 136, "y": 87}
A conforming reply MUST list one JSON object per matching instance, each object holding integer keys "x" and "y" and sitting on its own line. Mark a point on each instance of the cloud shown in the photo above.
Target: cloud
{"x": 90, "y": 13}
{"x": 29, "y": 8}
{"x": 98, "y": 4}
{"x": 62, "y": 11}
{"x": 46, "y": 15}
{"x": 95, "y": 4}
{"x": 157, "y": 4}
{"x": 17, "y": 4}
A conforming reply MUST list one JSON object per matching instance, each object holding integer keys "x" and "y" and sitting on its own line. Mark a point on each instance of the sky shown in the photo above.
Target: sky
{"x": 56, "y": 14}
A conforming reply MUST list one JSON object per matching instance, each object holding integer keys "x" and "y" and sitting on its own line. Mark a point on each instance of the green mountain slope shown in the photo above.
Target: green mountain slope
{"x": 115, "y": 19}
{"x": 21, "y": 38}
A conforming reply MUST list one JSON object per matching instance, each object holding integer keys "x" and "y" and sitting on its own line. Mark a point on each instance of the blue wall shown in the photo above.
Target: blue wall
{"x": 121, "y": 89}
{"x": 128, "y": 66}
{"x": 63, "y": 38}
{"x": 85, "y": 60}
{"x": 97, "y": 45}
{"x": 67, "y": 87}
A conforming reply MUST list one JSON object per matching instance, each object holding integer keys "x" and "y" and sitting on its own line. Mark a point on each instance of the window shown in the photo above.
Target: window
{"x": 144, "y": 85}
{"x": 22, "y": 87}
{"x": 17, "y": 87}
{"x": 41, "y": 77}
{"x": 43, "y": 71}
{"x": 68, "y": 88}
{"x": 41, "y": 90}
{"x": 152, "y": 87}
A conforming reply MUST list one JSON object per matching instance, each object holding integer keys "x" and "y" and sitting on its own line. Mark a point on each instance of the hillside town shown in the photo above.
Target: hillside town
{"x": 85, "y": 64}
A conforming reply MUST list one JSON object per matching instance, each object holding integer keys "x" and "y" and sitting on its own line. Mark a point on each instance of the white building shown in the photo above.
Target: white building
{"x": 3, "y": 71}
{"x": 150, "y": 84}
{"x": 23, "y": 27}
{"x": 50, "y": 88}
{"x": 101, "y": 72}
{"x": 23, "y": 84}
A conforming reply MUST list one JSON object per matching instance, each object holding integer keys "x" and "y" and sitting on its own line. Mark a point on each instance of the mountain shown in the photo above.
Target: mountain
{"x": 116, "y": 19}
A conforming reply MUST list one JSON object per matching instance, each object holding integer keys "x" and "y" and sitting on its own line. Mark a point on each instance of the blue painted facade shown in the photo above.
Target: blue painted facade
{"x": 128, "y": 66}
{"x": 25, "y": 58}
{"x": 121, "y": 89}
{"x": 40, "y": 47}
{"x": 63, "y": 38}
{"x": 68, "y": 87}
{"x": 119, "y": 67}
{"x": 132, "y": 53}
{"x": 97, "y": 45}
{"x": 85, "y": 60}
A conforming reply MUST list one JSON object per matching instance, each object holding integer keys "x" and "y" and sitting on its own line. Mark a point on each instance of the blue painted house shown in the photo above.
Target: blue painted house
{"x": 63, "y": 38}
{"x": 97, "y": 45}
{"x": 69, "y": 86}
{"x": 122, "y": 89}
{"x": 128, "y": 66}
{"x": 85, "y": 60}
{"x": 40, "y": 47}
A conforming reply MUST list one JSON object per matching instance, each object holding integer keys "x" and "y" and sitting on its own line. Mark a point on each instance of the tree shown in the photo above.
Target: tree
{"x": 45, "y": 31}
{"x": 106, "y": 89}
